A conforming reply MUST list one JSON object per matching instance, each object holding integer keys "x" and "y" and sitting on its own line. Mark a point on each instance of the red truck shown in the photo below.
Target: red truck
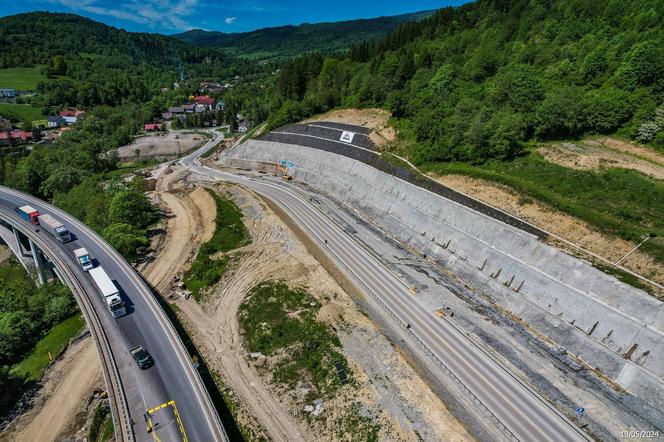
{"x": 29, "y": 213}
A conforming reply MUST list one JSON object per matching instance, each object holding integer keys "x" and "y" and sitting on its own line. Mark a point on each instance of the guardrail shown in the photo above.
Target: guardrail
{"x": 119, "y": 408}
{"x": 476, "y": 401}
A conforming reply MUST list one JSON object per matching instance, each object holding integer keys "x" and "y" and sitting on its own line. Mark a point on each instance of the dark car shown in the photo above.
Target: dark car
{"x": 142, "y": 357}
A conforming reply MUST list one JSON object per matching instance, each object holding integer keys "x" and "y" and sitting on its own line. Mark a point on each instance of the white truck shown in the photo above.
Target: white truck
{"x": 83, "y": 258}
{"x": 55, "y": 228}
{"x": 109, "y": 292}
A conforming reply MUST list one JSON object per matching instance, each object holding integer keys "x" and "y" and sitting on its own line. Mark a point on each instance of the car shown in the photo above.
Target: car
{"x": 142, "y": 357}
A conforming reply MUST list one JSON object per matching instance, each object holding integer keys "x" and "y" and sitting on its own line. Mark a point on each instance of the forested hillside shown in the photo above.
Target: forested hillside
{"x": 289, "y": 41}
{"x": 97, "y": 64}
{"x": 475, "y": 82}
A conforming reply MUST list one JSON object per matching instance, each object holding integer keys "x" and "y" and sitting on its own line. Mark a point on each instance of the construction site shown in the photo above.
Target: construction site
{"x": 519, "y": 288}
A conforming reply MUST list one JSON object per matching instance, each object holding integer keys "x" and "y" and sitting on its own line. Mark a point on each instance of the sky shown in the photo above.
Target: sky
{"x": 172, "y": 16}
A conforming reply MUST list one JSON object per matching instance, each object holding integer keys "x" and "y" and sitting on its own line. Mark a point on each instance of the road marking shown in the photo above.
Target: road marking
{"x": 175, "y": 412}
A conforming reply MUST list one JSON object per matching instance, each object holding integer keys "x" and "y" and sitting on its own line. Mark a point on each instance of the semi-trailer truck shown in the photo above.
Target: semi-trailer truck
{"x": 109, "y": 292}
{"x": 29, "y": 213}
{"x": 55, "y": 228}
{"x": 83, "y": 258}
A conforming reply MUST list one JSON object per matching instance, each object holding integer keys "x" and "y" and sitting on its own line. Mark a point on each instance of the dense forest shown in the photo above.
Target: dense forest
{"x": 475, "y": 82}
{"x": 290, "y": 41}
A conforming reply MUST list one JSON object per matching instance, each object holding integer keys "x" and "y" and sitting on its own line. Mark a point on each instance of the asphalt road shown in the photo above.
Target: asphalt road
{"x": 172, "y": 378}
{"x": 528, "y": 416}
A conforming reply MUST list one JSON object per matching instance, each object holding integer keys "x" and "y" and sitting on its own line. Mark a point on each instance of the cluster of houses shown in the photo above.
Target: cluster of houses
{"x": 65, "y": 118}
{"x": 12, "y": 137}
{"x": 200, "y": 104}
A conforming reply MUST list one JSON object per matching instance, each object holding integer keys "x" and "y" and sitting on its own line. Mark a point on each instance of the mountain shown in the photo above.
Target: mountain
{"x": 288, "y": 41}
{"x": 35, "y": 37}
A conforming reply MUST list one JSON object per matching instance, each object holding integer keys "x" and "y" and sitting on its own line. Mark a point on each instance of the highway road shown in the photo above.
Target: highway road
{"x": 189, "y": 413}
{"x": 525, "y": 414}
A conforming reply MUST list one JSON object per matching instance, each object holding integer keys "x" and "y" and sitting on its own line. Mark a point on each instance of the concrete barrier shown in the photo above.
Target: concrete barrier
{"x": 610, "y": 325}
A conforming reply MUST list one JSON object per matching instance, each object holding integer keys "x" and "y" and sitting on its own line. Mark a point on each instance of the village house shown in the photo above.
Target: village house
{"x": 71, "y": 115}
{"x": 7, "y": 93}
{"x": 173, "y": 110}
{"x": 188, "y": 108}
{"x": 55, "y": 121}
{"x": 152, "y": 127}
{"x": 204, "y": 100}
{"x": 15, "y": 137}
{"x": 167, "y": 116}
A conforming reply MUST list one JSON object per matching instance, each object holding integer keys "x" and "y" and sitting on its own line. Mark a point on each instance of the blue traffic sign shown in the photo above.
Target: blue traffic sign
{"x": 580, "y": 410}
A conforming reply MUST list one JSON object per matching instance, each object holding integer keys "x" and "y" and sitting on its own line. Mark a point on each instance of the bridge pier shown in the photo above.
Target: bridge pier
{"x": 18, "y": 241}
{"x": 39, "y": 264}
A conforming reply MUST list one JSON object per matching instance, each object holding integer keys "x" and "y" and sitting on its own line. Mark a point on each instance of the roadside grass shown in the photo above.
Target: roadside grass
{"x": 277, "y": 319}
{"x": 107, "y": 432}
{"x": 32, "y": 367}
{"x": 24, "y": 79}
{"x": 20, "y": 112}
{"x": 620, "y": 202}
{"x": 213, "y": 149}
{"x": 101, "y": 426}
{"x": 361, "y": 427}
{"x": 230, "y": 233}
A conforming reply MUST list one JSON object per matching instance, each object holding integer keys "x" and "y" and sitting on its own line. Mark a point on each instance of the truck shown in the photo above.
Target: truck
{"x": 109, "y": 292}
{"x": 29, "y": 213}
{"x": 55, "y": 228}
{"x": 83, "y": 258}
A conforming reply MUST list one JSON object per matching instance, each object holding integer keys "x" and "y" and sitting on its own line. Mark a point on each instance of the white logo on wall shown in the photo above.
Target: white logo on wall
{"x": 347, "y": 137}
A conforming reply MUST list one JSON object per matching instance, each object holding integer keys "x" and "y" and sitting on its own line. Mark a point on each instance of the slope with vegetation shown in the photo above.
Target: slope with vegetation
{"x": 27, "y": 314}
{"x": 472, "y": 88}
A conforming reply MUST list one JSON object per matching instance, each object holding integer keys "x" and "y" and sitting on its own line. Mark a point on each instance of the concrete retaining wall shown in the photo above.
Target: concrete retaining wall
{"x": 610, "y": 325}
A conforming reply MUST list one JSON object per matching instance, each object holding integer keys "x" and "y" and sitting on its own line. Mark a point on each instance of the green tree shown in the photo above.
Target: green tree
{"x": 125, "y": 238}
{"x": 132, "y": 207}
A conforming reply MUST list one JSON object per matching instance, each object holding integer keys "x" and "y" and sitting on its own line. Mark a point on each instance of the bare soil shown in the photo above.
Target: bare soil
{"x": 161, "y": 145}
{"x": 389, "y": 390}
{"x": 60, "y": 408}
{"x": 595, "y": 154}
{"x": 566, "y": 226}
{"x": 376, "y": 119}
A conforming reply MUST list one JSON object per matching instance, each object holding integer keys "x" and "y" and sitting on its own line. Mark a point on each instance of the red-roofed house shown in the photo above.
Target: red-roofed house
{"x": 151, "y": 127}
{"x": 15, "y": 137}
{"x": 204, "y": 100}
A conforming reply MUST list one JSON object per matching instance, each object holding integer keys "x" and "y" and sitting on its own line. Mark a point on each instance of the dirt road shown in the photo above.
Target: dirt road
{"x": 60, "y": 405}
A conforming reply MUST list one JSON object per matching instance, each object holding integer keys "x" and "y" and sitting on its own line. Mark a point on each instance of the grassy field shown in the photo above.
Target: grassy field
{"x": 20, "y": 112}
{"x": 621, "y": 202}
{"x": 229, "y": 234}
{"x": 32, "y": 367}
{"x": 24, "y": 79}
{"x": 276, "y": 318}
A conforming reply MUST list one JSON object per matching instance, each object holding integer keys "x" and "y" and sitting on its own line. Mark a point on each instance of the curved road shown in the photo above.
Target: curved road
{"x": 525, "y": 414}
{"x": 173, "y": 377}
